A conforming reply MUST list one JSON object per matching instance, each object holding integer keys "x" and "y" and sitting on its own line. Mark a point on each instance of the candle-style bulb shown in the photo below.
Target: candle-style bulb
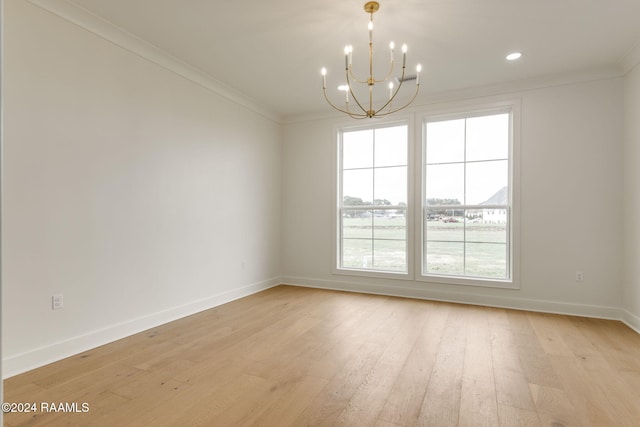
{"x": 348, "y": 49}
{"x": 404, "y": 55}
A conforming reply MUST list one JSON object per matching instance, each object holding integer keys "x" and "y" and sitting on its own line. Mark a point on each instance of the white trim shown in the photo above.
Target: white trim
{"x": 23, "y": 362}
{"x": 631, "y": 320}
{"x": 41, "y": 356}
{"x": 514, "y": 303}
{"x": 448, "y": 111}
{"x": 338, "y": 129}
{"x": 121, "y": 38}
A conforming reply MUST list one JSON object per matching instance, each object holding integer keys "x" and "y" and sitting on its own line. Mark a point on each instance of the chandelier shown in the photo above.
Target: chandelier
{"x": 366, "y": 109}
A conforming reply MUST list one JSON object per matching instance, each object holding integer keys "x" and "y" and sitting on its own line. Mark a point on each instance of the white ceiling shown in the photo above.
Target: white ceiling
{"x": 272, "y": 51}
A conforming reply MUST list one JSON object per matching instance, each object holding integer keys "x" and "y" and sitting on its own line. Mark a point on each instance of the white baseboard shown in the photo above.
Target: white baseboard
{"x": 601, "y": 312}
{"x": 41, "y": 356}
{"x": 51, "y": 353}
{"x": 631, "y": 320}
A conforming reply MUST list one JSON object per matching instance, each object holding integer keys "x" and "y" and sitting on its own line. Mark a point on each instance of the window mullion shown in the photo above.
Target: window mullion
{"x": 464, "y": 203}
{"x": 373, "y": 201}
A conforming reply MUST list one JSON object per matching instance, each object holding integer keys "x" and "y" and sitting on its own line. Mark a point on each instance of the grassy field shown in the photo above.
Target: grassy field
{"x": 379, "y": 243}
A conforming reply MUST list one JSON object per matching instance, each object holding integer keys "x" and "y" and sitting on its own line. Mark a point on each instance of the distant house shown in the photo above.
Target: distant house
{"x": 496, "y": 215}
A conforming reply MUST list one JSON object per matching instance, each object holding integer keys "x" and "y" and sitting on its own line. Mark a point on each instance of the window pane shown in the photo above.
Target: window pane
{"x": 357, "y": 186}
{"x": 390, "y": 186}
{"x": 486, "y": 225}
{"x": 356, "y": 224}
{"x": 467, "y": 164}
{"x": 486, "y": 260}
{"x": 447, "y": 229}
{"x": 445, "y": 141}
{"x": 445, "y": 184}
{"x": 374, "y": 172}
{"x": 391, "y": 146}
{"x": 357, "y": 253}
{"x": 389, "y": 225}
{"x": 488, "y": 137}
{"x": 487, "y": 183}
{"x": 390, "y": 255}
{"x": 444, "y": 258}
{"x": 357, "y": 149}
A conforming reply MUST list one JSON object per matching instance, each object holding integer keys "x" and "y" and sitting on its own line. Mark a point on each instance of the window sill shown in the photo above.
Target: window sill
{"x": 471, "y": 281}
{"x": 371, "y": 273}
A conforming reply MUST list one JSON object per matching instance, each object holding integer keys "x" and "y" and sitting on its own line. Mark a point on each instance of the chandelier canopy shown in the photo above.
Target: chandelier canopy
{"x": 367, "y": 110}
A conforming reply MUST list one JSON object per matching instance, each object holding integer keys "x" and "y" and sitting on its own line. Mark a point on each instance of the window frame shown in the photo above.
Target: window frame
{"x": 415, "y": 119}
{"x": 513, "y": 245}
{"x": 338, "y": 131}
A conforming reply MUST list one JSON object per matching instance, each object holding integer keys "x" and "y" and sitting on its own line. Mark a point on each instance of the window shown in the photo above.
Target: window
{"x": 467, "y": 197}
{"x": 372, "y": 200}
{"x": 441, "y": 210}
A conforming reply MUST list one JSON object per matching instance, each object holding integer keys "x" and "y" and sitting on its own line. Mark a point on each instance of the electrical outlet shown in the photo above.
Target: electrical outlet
{"x": 579, "y": 276}
{"x": 56, "y": 302}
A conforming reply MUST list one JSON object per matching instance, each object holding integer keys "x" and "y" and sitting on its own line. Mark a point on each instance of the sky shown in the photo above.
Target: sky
{"x": 375, "y": 160}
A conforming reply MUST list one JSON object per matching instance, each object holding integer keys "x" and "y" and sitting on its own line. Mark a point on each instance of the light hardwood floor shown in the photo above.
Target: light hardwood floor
{"x": 295, "y": 357}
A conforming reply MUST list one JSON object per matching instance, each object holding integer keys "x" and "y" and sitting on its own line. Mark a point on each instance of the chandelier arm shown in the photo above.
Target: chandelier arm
{"x": 404, "y": 106}
{"x": 394, "y": 94}
{"x": 354, "y": 115}
{"x": 355, "y": 79}
{"x": 352, "y": 94}
{"x": 388, "y": 74}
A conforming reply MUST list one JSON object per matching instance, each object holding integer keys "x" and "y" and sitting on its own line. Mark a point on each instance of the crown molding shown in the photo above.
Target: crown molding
{"x": 486, "y": 91}
{"x": 525, "y": 85}
{"x": 125, "y": 40}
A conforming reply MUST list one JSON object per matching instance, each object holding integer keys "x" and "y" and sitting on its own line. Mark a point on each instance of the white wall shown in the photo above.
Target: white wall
{"x": 632, "y": 198}
{"x": 131, "y": 190}
{"x": 571, "y": 205}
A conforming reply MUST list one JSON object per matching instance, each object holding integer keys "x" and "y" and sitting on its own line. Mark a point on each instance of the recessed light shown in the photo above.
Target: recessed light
{"x": 513, "y": 56}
